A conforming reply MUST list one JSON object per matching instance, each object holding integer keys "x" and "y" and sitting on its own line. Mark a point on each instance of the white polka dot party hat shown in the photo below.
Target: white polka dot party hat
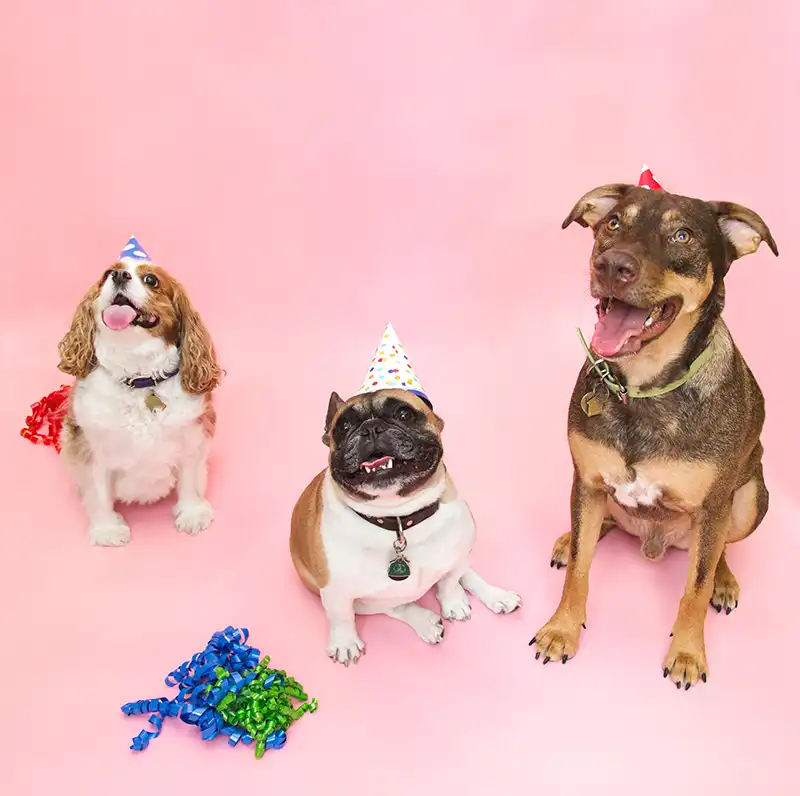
{"x": 133, "y": 251}
{"x": 391, "y": 369}
{"x": 647, "y": 180}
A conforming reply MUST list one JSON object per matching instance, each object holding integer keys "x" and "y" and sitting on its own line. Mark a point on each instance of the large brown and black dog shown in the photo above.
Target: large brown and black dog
{"x": 665, "y": 420}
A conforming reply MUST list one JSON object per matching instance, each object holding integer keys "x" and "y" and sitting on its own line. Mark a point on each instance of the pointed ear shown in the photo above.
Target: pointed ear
{"x": 439, "y": 422}
{"x": 334, "y": 405}
{"x": 596, "y": 204}
{"x": 77, "y": 347}
{"x": 200, "y": 372}
{"x": 743, "y": 228}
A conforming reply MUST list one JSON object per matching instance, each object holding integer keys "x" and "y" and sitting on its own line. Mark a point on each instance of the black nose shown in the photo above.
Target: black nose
{"x": 372, "y": 429}
{"x": 617, "y": 268}
{"x": 119, "y": 277}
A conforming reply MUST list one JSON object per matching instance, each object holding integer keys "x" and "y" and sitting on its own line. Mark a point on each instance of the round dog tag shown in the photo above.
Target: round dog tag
{"x": 399, "y": 569}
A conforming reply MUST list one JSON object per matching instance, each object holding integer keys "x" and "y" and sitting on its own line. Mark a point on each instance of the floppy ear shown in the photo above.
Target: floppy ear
{"x": 334, "y": 405}
{"x": 439, "y": 422}
{"x": 200, "y": 372}
{"x": 742, "y": 228}
{"x": 596, "y": 204}
{"x": 77, "y": 347}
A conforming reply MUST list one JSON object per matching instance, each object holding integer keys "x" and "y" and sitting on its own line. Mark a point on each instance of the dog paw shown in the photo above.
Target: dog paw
{"x": 560, "y": 554}
{"x": 455, "y": 605}
{"x": 344, "y": 646}
{"x": 427, "y": 625}
{"x": 500, "y": 601}
{"x": 685, "y": 665}
{"x": 726, "y": 594}
{"x": 193, "y": 517}
{"x": 110, "y": 532}
{"x": 557, "y": 640}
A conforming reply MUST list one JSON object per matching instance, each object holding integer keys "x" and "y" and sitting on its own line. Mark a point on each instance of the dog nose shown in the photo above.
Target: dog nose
{"x": 373, "y": 429}
{"x": 617, "y": 268}
{"x": 120, "y": 277}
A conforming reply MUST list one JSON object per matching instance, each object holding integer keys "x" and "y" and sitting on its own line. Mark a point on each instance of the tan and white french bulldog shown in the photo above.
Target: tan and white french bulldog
{"x": 384, "y": 523}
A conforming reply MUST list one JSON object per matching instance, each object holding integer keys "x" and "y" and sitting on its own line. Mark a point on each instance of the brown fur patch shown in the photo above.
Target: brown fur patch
{"x": 76, "y": 349}
{"x": 305, "y": 540}
{"x": 595, "y": 461}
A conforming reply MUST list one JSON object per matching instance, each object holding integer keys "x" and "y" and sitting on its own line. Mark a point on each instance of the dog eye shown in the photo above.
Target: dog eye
{"x": 613, "y": 224}
{"x": 345, "y": 426}
{"x": 150, "y": 280}
{"x": 404, "y": 414}
{"x": 682, "y": 236}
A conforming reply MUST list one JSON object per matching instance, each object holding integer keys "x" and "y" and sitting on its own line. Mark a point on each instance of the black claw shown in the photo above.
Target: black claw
{"x": 564, "y": 658}
{"x": 718, "y": 607}
{"x": 546, "y": 660}
{"x": 736, "y": 605}
{"x": 583, "y": 625}
{"x": 678, "y": 686}
{"x": 704, "y": 677}
{"x": 537, "y": 655}
{"x": 670, "y": 635}
{"x": 532, "y": 641}
{"x": 666, "y": 672}
{"x": 688, "y": 686}
{"x": 552, "y": 564}
{"x": 728, "y": 611}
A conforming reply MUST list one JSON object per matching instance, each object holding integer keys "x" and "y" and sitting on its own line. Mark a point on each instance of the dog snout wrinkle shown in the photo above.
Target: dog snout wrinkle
{"x": 372, "y": 429}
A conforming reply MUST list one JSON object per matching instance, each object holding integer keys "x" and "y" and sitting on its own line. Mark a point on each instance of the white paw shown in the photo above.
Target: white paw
{"x": 193, "y": 517}
{"x": 110, "y": 532}
{"x": 344, "y": 645}
{"x": 455, "y": 605}
{"x": 427, "y": 624}
{"x": 501, "y": 601}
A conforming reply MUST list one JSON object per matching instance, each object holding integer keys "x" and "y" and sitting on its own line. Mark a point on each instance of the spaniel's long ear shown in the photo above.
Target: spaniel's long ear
{"x": 200, "y": 372}
{"x": 77, "y": 347}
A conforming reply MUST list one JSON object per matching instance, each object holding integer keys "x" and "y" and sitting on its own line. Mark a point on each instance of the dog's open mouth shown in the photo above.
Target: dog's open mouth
{"x": 384, "y": 463}
{"x": 622, "y": 329}
{"x": 122, "y": 313}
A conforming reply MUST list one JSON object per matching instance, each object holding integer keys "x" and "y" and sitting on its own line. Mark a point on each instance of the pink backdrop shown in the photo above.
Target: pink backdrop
{"x": 312, "y": 170}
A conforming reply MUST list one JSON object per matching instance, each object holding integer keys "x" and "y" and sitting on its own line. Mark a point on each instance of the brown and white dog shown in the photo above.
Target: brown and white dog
{"x": 140, "y": 415}
{"x": 387, "y": 501}
{"x": 664, "y": 431}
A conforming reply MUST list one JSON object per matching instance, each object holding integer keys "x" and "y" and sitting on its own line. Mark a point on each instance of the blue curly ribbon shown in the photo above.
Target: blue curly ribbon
{"x": 195, "y": 703}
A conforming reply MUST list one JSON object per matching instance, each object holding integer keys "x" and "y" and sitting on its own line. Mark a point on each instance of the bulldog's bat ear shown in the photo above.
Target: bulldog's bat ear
{"x": 597, "y": 204}
{"x": 334, "y": 405}
{"x": 743, "y": 228}
{"x": 439, "y": 422}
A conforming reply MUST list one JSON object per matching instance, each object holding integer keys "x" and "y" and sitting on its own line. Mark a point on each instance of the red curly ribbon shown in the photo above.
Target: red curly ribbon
{"x": 43, "y": 424}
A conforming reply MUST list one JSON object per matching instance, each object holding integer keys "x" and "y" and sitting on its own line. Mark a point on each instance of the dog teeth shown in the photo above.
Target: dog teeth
{"x": 648, "y": 323}
{"x": 388, "y": 465}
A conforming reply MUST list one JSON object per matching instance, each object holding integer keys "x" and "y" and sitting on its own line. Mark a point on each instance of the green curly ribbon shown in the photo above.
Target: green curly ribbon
{"x": 266, "y": 705}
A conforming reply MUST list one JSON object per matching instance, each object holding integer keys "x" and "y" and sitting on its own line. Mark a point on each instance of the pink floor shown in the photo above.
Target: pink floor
{"x": 311, "y": 171}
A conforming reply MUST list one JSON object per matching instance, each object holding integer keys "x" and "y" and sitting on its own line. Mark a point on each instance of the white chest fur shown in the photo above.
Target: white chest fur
{"x": 639, "y": 492}
{"x": 124, "y": 431}
{"x": 358, "y": 553}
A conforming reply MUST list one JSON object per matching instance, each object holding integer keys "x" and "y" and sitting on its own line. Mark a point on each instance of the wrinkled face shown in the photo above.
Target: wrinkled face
{"x": 657, "y": 257}
{"x": 141, "y": 296}
{"x": 386, "y": 441}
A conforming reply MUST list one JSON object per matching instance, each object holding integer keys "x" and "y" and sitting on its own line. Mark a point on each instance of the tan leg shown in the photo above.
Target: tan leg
{"x": 558, "y": 639}
{"x": 726, "y": 588}
{"x": 560, "y": 554}
{"x": 685, "y": 662}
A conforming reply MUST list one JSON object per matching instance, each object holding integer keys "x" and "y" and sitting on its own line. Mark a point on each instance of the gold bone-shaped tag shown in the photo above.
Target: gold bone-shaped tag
{"x": 592, "y": 404}
{"x": 153, "y": 402}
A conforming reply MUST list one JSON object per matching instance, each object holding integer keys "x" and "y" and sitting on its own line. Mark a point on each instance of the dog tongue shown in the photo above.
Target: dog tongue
{"x": 118, "y": 316}
{"x": 616, "y": 327}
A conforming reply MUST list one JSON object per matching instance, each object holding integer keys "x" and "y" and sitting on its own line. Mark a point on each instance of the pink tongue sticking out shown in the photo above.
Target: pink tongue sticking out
{"x": 616, "y": 327}
{"x": 118, "y": 316}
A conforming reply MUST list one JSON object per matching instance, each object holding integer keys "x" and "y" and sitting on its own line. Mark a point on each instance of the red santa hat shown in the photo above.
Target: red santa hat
{"x": 647, "y": 180}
